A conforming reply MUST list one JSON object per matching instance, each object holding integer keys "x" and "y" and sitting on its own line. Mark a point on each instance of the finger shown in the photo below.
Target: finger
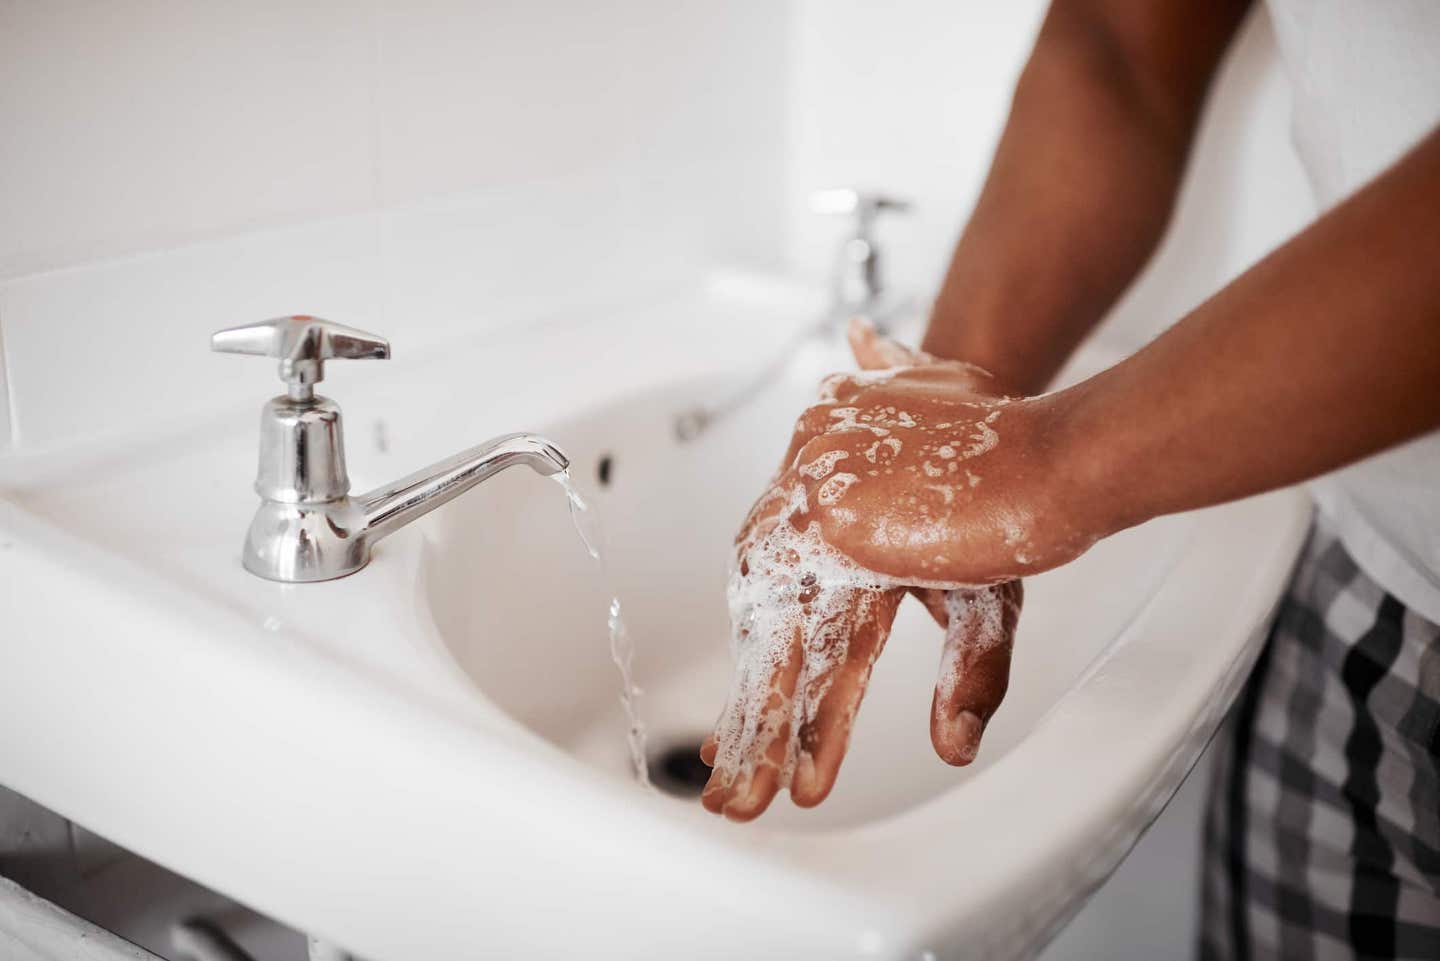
{"x": 751, "y": 756}
{"x": 825, "y": 733}
{"x": 812, "y": 422}
{"x": 723, "y": 744}
{"x": 874, "y": 351}
{"x": 767, "y": 511}
{"x": 974, "y": 668}
{"x": 934, "y": 601}
{"x": 731, "y": 719}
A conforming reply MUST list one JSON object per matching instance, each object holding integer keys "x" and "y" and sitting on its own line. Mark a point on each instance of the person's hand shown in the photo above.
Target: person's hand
{"x": 898, "y": 479}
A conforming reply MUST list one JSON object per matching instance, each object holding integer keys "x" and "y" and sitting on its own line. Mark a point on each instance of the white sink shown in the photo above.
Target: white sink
{"x": 427, "y": 759}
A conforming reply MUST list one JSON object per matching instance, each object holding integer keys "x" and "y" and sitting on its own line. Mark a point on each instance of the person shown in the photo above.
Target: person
{"x": 948, "y": 474}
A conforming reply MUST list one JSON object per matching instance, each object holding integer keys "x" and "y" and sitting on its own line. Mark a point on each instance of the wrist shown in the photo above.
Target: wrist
{"x": 1014, "y": 372}
{"x": 1094, "y": 484}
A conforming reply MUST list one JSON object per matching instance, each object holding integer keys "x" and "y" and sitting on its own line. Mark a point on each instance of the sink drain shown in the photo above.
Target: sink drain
{"x": 677, "y": 769}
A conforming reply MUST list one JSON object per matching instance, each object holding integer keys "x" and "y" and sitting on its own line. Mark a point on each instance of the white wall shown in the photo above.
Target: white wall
{"x": 146, "y": 123}
{"x": 441, "y": 168}
{"x": 429, "y": 169}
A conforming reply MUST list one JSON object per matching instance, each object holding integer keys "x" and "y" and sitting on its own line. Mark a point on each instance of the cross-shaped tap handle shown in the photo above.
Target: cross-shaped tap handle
{"x": 302, "y": 344}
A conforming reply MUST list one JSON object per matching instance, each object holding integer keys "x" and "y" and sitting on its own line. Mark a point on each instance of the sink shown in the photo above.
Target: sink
{"x": 428, "y": 759}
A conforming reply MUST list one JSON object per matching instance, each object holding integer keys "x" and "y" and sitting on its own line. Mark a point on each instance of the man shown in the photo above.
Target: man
{"x": 1322, "y": 361}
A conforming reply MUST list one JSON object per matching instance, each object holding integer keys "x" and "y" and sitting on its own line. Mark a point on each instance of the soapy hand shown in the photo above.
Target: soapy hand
{"x": 909, "y": 475}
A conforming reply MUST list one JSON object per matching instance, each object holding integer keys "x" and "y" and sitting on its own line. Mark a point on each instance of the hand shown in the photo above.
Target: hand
{"x": 897, "y": 479}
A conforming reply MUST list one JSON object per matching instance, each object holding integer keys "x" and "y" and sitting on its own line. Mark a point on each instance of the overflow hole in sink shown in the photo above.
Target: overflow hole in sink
{"x": 603, "y": 467}
{"x": 677, "y": 769}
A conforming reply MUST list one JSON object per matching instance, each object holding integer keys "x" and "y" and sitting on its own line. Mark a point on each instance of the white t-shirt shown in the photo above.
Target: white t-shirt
{"x": 1365, "y": 79}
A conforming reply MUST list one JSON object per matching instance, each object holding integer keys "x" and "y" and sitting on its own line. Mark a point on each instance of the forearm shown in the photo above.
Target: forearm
{"x": 1325, "y": 352}
{"x": 1080, "y": 190}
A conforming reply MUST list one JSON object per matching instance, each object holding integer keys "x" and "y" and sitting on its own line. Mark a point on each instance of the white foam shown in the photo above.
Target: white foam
{"x": 977, "y": 623}
{"x": 983, "y": 439}
{"x": 795, "y": 590}
{"x": 849, "y": 418}
{"x": 946, "y": 492}
{"x": 830, "y": 386}
{"x": 822, "y": 465}
{"x": 835, "y": 488}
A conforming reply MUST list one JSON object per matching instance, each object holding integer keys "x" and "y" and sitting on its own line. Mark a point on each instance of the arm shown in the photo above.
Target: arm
{"x": 1325, "y": 352}
{"x": 1082, "y": 183}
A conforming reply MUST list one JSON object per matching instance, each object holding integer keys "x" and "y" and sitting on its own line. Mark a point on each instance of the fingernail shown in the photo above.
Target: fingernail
{"x": 713, "y": 797}
{"x": 962, "y": 737}
{"x": 802, "y": 780}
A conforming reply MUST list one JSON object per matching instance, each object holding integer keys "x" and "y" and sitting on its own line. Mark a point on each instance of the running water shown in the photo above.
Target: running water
{"x": 622, "y": 648}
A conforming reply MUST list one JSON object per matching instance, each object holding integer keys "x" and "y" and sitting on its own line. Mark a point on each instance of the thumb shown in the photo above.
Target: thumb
{"x": 874, "y": 351}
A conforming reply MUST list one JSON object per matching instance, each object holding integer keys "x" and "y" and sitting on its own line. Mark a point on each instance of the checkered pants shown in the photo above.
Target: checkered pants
{"x": 1323, "y": 833}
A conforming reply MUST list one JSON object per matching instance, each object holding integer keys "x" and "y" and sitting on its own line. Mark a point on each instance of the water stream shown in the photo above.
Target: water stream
{"x": 622, "y": 648}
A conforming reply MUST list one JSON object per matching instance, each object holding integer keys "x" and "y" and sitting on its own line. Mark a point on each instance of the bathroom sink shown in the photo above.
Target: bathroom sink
{"x": 427, "y": 758}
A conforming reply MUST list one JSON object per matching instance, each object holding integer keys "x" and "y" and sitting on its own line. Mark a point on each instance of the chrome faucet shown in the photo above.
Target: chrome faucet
{"x": 308, "y": 527}
{"x": 857, "y": 287}
{"x": 858, "y": 283}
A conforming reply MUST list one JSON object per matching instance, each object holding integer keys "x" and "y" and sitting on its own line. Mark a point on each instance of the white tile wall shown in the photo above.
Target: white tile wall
{"x": 462, "y": 86}
{"x": 478, "y": 260}
{"x": 104, "y": 347}
{"x": 427, "y": 169}
{"x": 475, "y": 96}
{"x": 146, "y": 123}
{"x": 121, "y": 344}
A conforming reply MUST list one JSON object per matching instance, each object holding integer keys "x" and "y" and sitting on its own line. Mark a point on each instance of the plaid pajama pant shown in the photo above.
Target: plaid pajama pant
{"x": 1322, "y": 838}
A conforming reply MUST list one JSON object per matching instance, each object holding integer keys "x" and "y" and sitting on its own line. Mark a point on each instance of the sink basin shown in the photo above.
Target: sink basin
{"x": 428, "y": 758}
{"x": 669, "y": 511}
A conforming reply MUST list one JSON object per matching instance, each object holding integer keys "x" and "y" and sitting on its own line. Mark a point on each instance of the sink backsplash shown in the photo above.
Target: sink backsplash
{"x": 429, "y": 171}
{"x": 444, "y": 169}
{"x": 105, "y": 347}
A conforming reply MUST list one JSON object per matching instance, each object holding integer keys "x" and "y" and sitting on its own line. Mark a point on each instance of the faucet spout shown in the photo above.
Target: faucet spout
{"x": 389, "y": 508}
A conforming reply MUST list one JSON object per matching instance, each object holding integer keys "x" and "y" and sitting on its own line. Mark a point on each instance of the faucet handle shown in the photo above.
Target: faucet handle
{"x": 302, "y": 344}
{"x": 865, "y": 205}
{"x": 858, "y": 281}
